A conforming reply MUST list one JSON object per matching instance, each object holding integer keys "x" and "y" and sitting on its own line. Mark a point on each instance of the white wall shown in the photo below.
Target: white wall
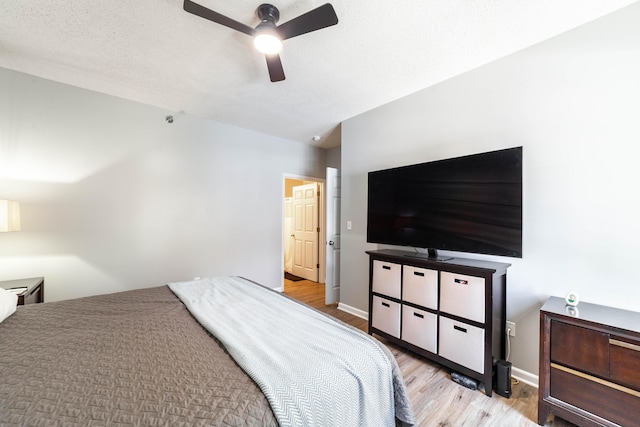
{"x": 573, "y": 103}
{"x": 115, "y": 198}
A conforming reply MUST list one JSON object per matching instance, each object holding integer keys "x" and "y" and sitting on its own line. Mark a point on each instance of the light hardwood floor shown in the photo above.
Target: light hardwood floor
{"x": 438, "y": 401}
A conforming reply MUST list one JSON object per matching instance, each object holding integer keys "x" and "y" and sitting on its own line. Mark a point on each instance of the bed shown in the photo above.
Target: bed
{"x": 222, "y": 351}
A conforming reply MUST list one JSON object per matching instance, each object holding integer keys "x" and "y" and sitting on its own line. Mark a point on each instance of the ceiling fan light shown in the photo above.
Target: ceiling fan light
{"x": 267, "y": 43}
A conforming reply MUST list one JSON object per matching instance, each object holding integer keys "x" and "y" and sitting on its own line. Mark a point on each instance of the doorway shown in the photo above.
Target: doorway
{"x": 303, "y": 228}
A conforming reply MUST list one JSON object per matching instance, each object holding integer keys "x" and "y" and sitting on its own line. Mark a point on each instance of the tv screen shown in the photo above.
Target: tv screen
{"x": 466, "y": 204}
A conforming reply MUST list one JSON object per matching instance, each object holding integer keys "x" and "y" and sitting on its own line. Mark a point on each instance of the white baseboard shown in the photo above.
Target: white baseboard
{"x": 524, "y": 377}
{"x": 352, "y": 310}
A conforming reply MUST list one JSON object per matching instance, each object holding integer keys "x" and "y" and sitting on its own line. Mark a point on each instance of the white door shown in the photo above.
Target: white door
{"x": 332, "y": 286}
{"x": 305, "y": 231}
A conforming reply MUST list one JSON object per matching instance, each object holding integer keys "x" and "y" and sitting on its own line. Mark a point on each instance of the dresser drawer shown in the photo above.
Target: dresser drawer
{"x": 624, "y": 363}
{"x": 420, "y": 328}
{"x": 385, "y": 316}
{"x": 386, "y": 278}
{"x": 594, "y": 396}
{"x": 568, "y": 348}
{"x": 462, "y": 295}
{"x": 462, "y": 344}
{"x": 420, "y": 286}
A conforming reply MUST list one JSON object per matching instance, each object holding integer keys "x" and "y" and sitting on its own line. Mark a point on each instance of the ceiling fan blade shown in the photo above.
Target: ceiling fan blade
{"x": 276, "y": 72}
{"x": 209, "y": 14}
{"x": 316, "y": 19}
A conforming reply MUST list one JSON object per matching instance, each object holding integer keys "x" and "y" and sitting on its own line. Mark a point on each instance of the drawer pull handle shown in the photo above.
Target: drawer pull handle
{"x": 418, "y": 315}
{"x": 626, "y": 345}
{"x": 461, "y": 281}
{"x": 461, "y": 329}
{"x": 597, "y": 380}
{"x": 385, "y": 304}
{"x": 386, "y": 267}
{"x": 418, "y": 273}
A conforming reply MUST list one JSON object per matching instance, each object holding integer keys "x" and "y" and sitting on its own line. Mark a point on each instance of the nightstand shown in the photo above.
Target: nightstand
{"x": 589, "y": 364}
{"x": 34, "y": 292}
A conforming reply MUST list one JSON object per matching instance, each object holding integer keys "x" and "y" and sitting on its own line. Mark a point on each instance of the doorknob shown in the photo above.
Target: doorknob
{"x": 331, "y": 243}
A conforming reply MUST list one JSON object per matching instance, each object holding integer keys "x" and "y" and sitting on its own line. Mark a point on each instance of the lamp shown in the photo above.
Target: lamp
{"x": 9, "y": 215}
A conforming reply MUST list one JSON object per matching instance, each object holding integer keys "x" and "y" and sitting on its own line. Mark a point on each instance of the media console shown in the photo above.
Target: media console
{"x": 452, "y": 312}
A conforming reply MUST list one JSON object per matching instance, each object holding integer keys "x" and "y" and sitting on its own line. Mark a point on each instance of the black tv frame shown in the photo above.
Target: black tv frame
{"x": 467, "y": 204}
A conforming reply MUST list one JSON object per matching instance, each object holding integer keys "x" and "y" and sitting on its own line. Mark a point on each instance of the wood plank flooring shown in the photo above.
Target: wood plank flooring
{"x": 437, "y": 401}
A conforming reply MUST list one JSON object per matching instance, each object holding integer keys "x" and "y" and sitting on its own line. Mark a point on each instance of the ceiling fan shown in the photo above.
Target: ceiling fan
{"x": 268, "y": 36}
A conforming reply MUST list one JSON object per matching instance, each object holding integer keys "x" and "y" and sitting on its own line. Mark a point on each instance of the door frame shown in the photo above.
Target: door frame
{"x": 322, "y": 238}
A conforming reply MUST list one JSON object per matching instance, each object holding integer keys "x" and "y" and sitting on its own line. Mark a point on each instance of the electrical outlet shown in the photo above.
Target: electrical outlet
{"x": 510, "y": 329}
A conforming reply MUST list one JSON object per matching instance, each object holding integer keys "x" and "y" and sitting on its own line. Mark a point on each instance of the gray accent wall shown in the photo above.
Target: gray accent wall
{"x": 573, "y": 103}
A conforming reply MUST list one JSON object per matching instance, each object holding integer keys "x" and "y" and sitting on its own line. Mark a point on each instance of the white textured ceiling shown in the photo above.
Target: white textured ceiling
{"x": 152, "y": 51}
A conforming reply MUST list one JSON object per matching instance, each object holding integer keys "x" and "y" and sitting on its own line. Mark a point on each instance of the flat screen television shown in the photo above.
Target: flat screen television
{"x": 466, "y": 204}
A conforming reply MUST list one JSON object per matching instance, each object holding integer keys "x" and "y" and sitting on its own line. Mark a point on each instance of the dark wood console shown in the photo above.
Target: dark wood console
{"x": 589, "y": 364}
{"x": 452, "y": 312}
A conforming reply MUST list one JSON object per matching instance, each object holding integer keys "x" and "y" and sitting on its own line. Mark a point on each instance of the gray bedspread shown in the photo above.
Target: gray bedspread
{"x": 130, "y": 358}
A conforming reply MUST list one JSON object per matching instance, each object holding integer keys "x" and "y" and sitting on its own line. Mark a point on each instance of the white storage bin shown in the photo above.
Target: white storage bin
{"x": 462, "y": 343}
{"x": 420, "y": 328}
{"x": 462, "y": 296}
{"x": 385, "y": 316}
{"x": 386, "y": 278}
{"x": 420, "y": 286}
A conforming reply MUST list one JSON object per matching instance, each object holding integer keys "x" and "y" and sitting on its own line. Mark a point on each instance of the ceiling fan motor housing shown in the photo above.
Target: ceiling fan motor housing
{"x": 268, "y": 13}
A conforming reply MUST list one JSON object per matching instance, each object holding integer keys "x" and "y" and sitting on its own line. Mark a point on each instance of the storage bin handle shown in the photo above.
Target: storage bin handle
{"x": 386, "y": 267}
{"x": 461, "y": 281}
{"x": 418, "y": 273}
{"x": 385, "y": 304}
{"x": 459, "y": 328}
{"x": 418, "y": 315}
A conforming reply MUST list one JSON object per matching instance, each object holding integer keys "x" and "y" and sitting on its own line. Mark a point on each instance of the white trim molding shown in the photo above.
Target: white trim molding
{"x": 524, "y": 377}
{"x": 352, "y": 310}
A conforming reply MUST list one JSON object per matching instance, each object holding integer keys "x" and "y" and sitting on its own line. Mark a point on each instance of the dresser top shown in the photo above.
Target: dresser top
{"x": 594, "y": 313}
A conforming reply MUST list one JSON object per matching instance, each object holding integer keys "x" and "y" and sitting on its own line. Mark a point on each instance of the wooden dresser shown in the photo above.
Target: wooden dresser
{"x": 589, "y": 364}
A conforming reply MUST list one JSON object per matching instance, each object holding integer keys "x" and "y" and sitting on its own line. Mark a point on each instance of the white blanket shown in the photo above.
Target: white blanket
{"x": 8, "y": 303}
{"x": 313, "y": 370}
